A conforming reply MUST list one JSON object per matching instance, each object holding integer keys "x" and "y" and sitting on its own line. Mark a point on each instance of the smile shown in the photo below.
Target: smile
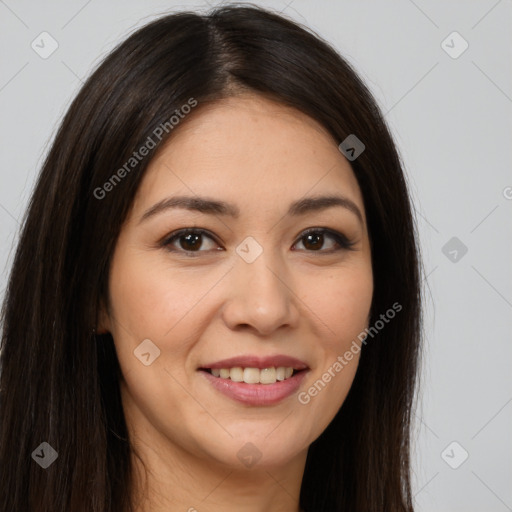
{"x": 254, "y": 375}
{"x": 256, "y": 381}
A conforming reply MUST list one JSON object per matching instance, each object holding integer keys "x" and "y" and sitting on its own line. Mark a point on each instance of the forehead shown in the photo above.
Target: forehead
{"x": 251, "y": 151}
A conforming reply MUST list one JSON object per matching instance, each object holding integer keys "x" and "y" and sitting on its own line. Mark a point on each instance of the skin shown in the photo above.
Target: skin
{"x": 297, "y": 298}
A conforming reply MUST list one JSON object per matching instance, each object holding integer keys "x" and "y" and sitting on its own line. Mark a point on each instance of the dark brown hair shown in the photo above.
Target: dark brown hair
{"x": 59, "y": 381}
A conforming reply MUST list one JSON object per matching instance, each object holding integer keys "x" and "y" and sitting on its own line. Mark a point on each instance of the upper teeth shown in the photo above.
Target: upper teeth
{"x": 253, "y": 375}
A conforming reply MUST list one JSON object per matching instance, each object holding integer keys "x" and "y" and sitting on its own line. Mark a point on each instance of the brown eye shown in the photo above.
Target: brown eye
{"x": 187, "y": 240}
{"x": 314, "y": 239}
{"x": 190, "y": 242}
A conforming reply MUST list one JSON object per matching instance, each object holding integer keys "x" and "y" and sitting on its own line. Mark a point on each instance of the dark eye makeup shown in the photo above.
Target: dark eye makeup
{"x": 189, "y": 241}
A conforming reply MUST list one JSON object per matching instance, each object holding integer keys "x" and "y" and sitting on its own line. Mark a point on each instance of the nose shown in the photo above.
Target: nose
{"x": 260, "y": 297}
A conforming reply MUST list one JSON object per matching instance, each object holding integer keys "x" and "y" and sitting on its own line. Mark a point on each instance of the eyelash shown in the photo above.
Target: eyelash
{"x": 342, "y": 240}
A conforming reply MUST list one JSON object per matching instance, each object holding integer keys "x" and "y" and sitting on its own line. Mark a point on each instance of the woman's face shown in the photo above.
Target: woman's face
{"x": 248, "y": 293}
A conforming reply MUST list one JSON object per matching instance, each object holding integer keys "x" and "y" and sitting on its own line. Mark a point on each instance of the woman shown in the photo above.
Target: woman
{"x": 215, "y": 300}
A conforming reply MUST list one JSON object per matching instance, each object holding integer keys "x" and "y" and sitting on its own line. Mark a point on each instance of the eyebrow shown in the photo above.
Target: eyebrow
{"x": 210, "y": 206}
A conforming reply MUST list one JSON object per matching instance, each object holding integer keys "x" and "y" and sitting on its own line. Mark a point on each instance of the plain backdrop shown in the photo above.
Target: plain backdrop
{"x": 449, "y": 108}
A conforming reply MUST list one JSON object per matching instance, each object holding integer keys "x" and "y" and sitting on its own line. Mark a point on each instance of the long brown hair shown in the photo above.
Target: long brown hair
{"x": 59, "y": 381}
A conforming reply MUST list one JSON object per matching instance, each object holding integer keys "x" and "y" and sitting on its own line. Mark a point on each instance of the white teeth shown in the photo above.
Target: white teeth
{"x": 254, "y": 375}
{"x": 268, "y": 376}
{"x": 251, "y": 375}
{"x": 236, "y": 374}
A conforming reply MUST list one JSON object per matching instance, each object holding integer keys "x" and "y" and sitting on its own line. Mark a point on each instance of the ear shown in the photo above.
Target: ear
{"x": 103, "y": 323}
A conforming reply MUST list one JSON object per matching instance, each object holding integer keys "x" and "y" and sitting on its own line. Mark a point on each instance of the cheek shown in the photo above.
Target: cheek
{"x": 150, "y": 299}
{"x": 341, "y": 303}
{"x": 147, "y": 306}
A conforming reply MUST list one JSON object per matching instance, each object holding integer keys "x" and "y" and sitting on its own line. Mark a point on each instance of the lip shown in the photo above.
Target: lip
{"x": 256, "y": 394}
{"x": 252, "y": 361}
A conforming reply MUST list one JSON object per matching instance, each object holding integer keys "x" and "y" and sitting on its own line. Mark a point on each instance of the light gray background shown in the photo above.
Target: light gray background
{"x": 451, "y": 118}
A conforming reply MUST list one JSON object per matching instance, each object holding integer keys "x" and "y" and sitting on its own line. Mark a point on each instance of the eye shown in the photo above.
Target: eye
{"x": 188, "y": 240}
{"x": 314, "y": 239}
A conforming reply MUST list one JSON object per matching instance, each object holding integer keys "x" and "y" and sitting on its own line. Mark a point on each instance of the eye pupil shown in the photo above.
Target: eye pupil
{"x": 190, "y": 241}
{"x": 193, "y": 244}
{"x": 316, "y": 237}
